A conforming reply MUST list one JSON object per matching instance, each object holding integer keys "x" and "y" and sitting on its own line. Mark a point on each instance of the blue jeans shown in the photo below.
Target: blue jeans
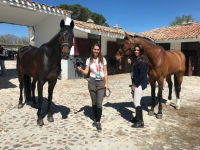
{"x": 3, "y": 68}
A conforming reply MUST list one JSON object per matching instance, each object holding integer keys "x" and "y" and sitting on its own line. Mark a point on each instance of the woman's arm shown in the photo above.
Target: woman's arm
{"x": 106, "y": 76}
{"x": 142, "y": 73}
{"x": 83, "y": 71}
{"x": 3, "y": 53}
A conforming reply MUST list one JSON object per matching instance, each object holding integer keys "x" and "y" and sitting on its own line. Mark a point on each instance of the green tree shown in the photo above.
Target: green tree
{"x": 83, "y": 14}
{"x": 179, "y": 20}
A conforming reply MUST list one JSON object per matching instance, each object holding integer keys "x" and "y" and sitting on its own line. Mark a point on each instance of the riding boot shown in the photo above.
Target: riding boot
{"x": 134, "y": 119}
{"x": 99, "y": 113}
{"x": 139, "y": 123}
{"x": 94, "y": 109}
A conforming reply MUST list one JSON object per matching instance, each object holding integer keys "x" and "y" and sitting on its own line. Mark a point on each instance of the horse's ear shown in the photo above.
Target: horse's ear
{"x": 62, "y": 23}
{"x": 127, "y": 34}
{"x": 72, "y": 24}
{"x": 129, "y": 37}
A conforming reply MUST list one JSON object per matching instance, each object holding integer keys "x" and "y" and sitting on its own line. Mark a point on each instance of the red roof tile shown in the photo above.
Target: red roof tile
{"x": 174, "y": 32}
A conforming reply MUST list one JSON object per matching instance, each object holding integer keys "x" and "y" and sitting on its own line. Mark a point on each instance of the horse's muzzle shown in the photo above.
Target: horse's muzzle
{"x": 65, "y": 55}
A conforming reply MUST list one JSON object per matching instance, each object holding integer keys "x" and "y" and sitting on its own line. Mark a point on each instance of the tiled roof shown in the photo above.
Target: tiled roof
{"x": 92, "y": 26}
{"x": 190, "y": 31}
{"x": 165, "y": 33}
{"x": 37, "y": 6}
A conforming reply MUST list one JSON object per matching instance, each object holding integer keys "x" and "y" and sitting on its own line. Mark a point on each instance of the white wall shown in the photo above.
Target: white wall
{"x": 104, "y": 40}
{"x": 47, "y": 29}
{"x": 175, "y": 46}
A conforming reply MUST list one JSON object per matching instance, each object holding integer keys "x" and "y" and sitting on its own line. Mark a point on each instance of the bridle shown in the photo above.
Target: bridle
{"x": 65, "y": 43}
{"x": 123, "y": 53}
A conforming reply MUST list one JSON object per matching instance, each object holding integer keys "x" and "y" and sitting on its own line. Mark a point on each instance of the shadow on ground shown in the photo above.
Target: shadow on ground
{"x": 122, "y": 107}
{"x": 63, "y": 110}
{"x": 5, "y": 81}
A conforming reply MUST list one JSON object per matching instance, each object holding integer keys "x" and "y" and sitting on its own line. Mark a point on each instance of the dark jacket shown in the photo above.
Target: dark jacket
{"x": 1, "y": 52}
{"x": 139, "y": 74}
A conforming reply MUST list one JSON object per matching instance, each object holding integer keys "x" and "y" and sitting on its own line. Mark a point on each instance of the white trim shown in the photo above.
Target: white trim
{"x": 179, "y": 40}
{"x": 97, "y": 32}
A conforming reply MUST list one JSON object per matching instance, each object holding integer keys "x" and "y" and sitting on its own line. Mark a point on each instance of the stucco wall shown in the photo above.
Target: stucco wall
{"x": 104, "y": 40}
{"x": 46, "y": 29}
{"x": 175, "y": 46}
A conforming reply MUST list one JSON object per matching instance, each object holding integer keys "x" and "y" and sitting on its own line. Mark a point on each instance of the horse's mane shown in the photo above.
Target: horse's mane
{"x": 145, "y": 38}
{"x": 149, "y": 40}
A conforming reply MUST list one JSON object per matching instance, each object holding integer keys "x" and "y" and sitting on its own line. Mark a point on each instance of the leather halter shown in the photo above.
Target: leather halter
{"x": 123, "y": 53}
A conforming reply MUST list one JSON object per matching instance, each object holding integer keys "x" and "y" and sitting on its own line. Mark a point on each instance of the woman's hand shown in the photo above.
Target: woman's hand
{"x": 106, "y": 86}
{"x": 79, "y": 68}
{"x": 133, "y": 87}
{"x": 129, "y": 61}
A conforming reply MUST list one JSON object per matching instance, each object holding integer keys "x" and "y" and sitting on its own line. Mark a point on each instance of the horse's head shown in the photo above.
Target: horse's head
{"x": 66, "y": 38}
{"x": 126, "y": 49}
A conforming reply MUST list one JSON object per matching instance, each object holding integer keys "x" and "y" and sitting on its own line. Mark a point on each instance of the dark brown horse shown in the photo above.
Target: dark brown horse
{"x": 162, "y": 64}
{"x": 43, "y": 64}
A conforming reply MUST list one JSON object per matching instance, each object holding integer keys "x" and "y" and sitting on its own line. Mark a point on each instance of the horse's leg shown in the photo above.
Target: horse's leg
{"x": 160, "y": 89}
{"x": 21, "y": 86}
{"x": 33, "y": 92}
{"x": 178, "y": 78}
{"x": 21, "y": 83}
{"x": 169, "y": 81}
{"x": 40, "y": 101}
{"x": 153, "y": 85}
{"x": 50, "y": 94}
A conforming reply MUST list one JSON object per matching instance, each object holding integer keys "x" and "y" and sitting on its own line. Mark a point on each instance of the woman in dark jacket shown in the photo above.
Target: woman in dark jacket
{"x": 139, "y": 83}
{"x": 2, "y": 59}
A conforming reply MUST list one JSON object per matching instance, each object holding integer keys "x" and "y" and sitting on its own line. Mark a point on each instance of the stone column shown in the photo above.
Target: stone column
{"x": 31, "y": 36}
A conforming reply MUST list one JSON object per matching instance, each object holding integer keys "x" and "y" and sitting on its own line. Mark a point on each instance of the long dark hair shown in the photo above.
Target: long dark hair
{"x": 143, "y": 57}
{"x": 99, "y": 56}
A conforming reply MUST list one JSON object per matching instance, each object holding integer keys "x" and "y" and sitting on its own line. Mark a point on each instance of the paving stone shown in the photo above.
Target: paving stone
{"x": 72, "y": 127}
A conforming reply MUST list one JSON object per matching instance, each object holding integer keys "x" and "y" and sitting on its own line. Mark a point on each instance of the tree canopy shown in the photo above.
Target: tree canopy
{"x": 179, "y": 20}
{"x": 83, "y": 14}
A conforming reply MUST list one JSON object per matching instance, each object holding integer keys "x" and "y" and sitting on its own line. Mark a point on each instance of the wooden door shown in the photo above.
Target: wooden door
{"x": 112, "y": 48}
{"x": 81, "y": 47}
{"x": 192, "y": 68}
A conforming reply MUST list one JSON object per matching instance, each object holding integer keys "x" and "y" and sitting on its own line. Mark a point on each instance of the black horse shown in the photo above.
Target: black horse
{"x": 43, "y": 64}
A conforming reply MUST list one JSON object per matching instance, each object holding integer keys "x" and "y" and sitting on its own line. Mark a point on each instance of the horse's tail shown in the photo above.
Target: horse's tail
{"x": 27, "y": 87}
{"x": 175, "y": 84}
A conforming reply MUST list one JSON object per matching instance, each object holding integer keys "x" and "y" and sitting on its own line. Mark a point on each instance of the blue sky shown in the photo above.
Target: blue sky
{"x": 131, "y": 15}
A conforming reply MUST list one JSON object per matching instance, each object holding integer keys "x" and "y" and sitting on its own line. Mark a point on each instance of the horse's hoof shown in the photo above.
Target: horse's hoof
{"x": 159, "y": 116}
{"x": 50, "y": 119}
{"x": 151, "y": 113}
{"x": 40, "y": 122}
{"x": 20, "y": 106}
{"x": 178, "y": 107}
